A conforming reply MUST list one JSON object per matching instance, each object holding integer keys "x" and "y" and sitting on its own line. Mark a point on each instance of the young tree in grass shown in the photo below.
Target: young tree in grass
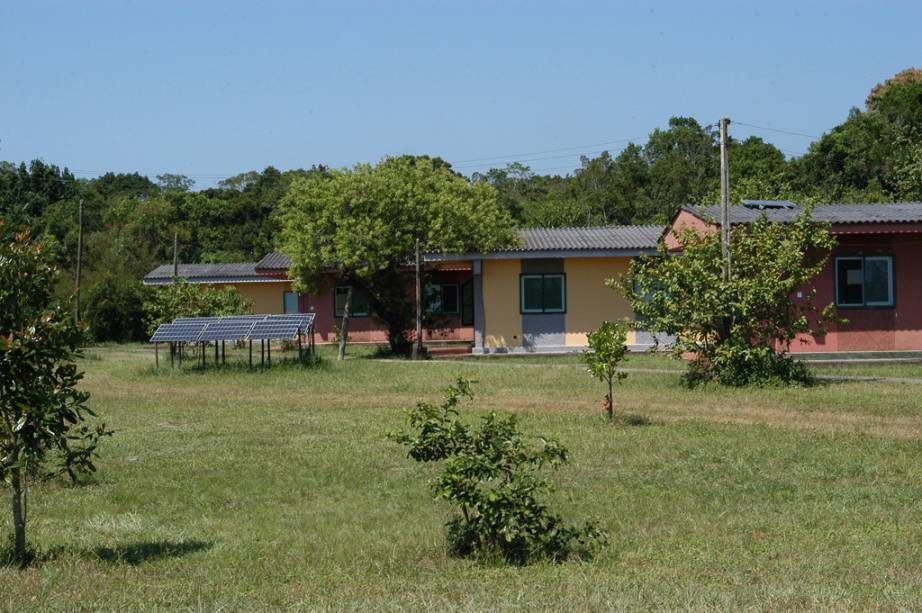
{"x": 363, "y": 225}
{"x": 42, "y": 412}
{"x": 607, "y": 349}
{"x": 740, "y": 330}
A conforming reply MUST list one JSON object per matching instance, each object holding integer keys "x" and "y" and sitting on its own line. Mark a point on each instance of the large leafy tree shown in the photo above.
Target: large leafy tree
{"x": 364, "y": 225}
{"x": 740, "y": 329}
{"x": 42, "y": 412}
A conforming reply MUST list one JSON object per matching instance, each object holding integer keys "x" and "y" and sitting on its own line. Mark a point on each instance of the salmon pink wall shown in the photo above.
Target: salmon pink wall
{"x": 369, "y": 330}
{"x": 897, "y": 328}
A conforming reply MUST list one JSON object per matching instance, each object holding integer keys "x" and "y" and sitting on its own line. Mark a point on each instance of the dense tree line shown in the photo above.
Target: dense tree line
{"x": 875, "y": 155}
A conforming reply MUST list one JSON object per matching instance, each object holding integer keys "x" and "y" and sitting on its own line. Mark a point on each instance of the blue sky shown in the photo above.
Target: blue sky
{"x": 211, "y": 89}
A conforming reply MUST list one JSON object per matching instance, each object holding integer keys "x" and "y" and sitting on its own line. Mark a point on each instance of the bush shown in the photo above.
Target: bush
{"x": 115, "y": 310}
{"x": 165, "y": 303}
{"x": 740, "y": 329}
{"x": 491, "y": 475}
{"x": 607, "y": 349}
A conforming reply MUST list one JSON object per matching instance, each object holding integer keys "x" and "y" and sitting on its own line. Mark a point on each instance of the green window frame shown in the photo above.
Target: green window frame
{"x": 864, "y": 281}
{"x": 542, "y": 293}
{"x": 360, "y": 306}
{"x": 443, "y": 299}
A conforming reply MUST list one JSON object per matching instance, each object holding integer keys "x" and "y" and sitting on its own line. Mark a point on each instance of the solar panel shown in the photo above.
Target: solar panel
{"x": 187, "y": 332}
{"x": 304, "y": 320}
{"x": 270, "y": 330}
{"x": 192, "y": 320}
{"x": 226, "y": 331}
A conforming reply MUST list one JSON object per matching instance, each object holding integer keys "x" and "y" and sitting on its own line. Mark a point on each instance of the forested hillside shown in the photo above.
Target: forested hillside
{"x": 875, "y": 155}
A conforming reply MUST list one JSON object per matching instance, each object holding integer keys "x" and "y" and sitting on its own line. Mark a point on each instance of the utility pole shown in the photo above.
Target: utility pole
{"x": 418, "y": 350}
{"x": 725, "y": 197}
{"x": 175, "y": 256}
{"x": 79, "y": 260}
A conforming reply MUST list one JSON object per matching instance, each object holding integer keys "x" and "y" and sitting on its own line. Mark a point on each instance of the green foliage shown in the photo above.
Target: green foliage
{"x": 115, "y": 309}
{"x": 735, "y": 327}
{"x": 492, "y": 475}
{"x": 364, "y": 223}
{"x": 42, "y": 411}
{"x": 607, "y": 349}
{"x": 164, "y": 303}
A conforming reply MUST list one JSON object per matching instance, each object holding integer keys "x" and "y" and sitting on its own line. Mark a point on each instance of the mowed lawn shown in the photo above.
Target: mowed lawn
{"x": 242, "y": 490}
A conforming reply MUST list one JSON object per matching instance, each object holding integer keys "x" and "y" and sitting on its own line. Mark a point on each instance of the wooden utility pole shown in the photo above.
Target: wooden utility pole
{"x": 79, "y": 260}
{"x": 175, "y": 256}
{"x": 418, "y": 350}
{"x": 725, "y": 197}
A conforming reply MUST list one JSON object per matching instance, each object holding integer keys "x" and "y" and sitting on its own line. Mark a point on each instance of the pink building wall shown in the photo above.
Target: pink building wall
{"x": 368, "y": 330}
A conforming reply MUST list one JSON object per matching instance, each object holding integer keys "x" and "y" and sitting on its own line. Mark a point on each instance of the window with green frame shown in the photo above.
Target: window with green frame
{"x": 443, "y": 299}
{"x": 543, "y": 293}
{"x": 864, "y": 281}
{"x": 359, "y": 307}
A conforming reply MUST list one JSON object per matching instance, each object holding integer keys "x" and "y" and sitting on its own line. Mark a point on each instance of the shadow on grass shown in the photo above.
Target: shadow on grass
{"x": 138, "y": 553}
{"x": 238, "y": 367}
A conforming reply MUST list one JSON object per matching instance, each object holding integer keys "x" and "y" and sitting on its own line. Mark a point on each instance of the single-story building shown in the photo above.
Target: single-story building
{"x": 542, "y": 296}
{"x": 873, "y": 275}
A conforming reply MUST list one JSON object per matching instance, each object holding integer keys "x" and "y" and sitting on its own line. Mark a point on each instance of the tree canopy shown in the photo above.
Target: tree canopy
{"x": 365, "y": 222}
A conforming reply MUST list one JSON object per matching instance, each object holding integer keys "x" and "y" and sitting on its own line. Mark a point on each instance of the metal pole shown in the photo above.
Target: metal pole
{"x": 180, "y": 354}
{"x": 216, "y": 353}
{"x": 251, "y": 354}
{"x": 418, "y": 345}
{"x": 269, "y": 351}
{"x": 223, "y": 355}
{"x": 725, "y": 197}
{"x": 157, "y": 355}
{"x": 172, "y": 354}
{"x": 175, "y": 255}
{"x": 79, "y": 260}
{"x": 262, "y": 352}
{"x": 300, "y": 356}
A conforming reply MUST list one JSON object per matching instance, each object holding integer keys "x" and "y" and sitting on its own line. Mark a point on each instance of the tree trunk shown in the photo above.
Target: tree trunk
{"x": 19, "y": 518}
{"x": 344, "y": 328}
{"x": 609, "y": 402}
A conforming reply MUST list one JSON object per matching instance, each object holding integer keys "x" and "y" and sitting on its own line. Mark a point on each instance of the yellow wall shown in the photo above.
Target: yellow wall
{"x": 266, "y": 297}
{"x": 589, "y": 302}
{"x": 502, "y": 321}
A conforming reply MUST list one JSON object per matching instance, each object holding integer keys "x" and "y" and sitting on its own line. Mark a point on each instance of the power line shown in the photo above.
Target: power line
{"x": 792, "y": 133}
{"x": 515, "y": 155}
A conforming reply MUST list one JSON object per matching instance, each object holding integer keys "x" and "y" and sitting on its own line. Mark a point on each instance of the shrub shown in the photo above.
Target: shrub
{"x": 115, "y": 310}
{"x": 739, "y": 329}
{"x": 165, "y": 303}
{"x": 491, "y": 475}
{"x": 607, "y": 349}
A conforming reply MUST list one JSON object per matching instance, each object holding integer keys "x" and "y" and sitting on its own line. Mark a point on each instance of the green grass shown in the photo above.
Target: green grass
{"x": 276, "y": 489}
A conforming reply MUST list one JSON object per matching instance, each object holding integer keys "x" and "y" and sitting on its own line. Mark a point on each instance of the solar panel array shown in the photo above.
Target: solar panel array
{"x": 234, "y": 328}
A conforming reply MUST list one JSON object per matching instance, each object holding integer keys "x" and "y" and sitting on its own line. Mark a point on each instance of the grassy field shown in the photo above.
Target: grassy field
{"x": 276, "y": 489}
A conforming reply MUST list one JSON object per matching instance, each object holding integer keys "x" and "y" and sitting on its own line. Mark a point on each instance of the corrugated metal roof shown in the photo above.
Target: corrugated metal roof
{"x": 213, "y": 273}
{"x": 596, "y": 238}
{"x": 274, "y": 261}
{"x": 901, "y": 212}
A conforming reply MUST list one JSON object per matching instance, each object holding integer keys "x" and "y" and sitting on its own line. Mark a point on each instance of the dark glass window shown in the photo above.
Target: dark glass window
{"x": 443, "y": 298}
{"x": 543, "y": 293}
{"x": 467, "y": 304}
{"x": 359, "y": 307}
{"x": 864, "y": 281}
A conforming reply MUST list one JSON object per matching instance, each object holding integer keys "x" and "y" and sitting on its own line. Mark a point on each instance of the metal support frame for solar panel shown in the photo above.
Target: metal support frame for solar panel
{"x": 264, "y": 328}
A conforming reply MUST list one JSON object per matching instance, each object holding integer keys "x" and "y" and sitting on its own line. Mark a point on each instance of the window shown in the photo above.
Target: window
{"x": 543, "y": 293}
{"x": 864, "y": 281}
{"x": 359, "y": 306}
{"x": 290, "y": 302}
{"x": 443, "y": 298}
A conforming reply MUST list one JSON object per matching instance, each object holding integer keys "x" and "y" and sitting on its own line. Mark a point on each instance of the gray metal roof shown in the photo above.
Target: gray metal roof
{"x": 274, "y": 261}
{"x": 595, "y": 238}
{"x": 244, "y": 272}
{"x": 901, "y": 212}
